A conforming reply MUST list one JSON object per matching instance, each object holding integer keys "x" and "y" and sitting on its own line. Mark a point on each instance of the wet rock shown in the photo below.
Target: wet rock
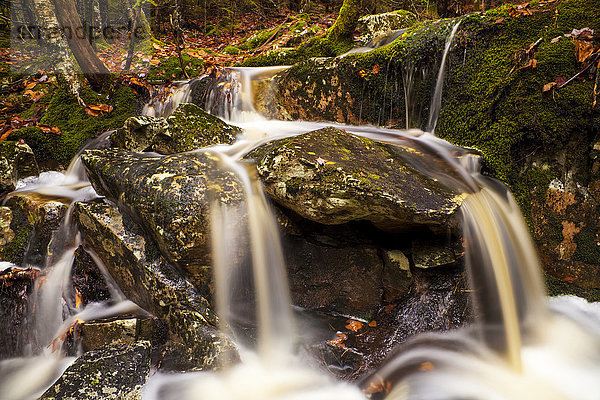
{"x": 116, "y": 371}
{"x": 16, "y": 287}
{"x": 188, "y": 128}
{"x": 28, "y": 226}
{"x": 397, "y": 277}
{"x": 139, "y": 133}
{"x": 96, "y": 334}
{"x": 16, "y": 162}
{"x": 87, "y": 279}
{"x": 155, "y": 285}
{"x": 345, "y": 280}
{"x": 427, "y": 255}
{"x": 168, "y": 196}
{"x": 332, "y": 177}
{"x": 373, "y": 26}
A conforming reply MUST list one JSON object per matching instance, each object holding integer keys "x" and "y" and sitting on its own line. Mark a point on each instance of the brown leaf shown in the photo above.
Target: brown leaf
{"x": 30, "y": 85}
{"x": 339, "y": 340}
{"x": 373, "y": 324}
{"x": 354, "y": 325}
{"x": 92, "y": 112}
{"x": 375, "y": 69}
{"x": 548, "y": 86}
{"x": 584, "y": 49}
{"x": 362, "y": 73}
{"x": 556, "y": 39}
{"x": 560, "y": 81}
{"x": 5, "y": 135}
{"x": 499, "y": 21}
{"x": 531, "y": 64}
{"x": 426, "y": 366}
{"x": 378, "y": 387}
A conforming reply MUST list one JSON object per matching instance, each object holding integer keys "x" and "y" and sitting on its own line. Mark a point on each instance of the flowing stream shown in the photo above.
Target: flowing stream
{"x": 519, "y": 347}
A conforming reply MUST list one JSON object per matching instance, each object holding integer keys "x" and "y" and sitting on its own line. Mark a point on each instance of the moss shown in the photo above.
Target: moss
{"x": 256, "y": 40}
{"x": 76, "y": 126}
{"x": 14, "y": 251}
{"x": 318, "y": 46}
{"x": 231, "y": 50}
{"x": 170, "y": 68}
{"x": 557, "y": 287}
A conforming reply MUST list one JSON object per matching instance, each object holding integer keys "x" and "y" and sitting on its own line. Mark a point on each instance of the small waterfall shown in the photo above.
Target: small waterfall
{"x": 436, "y": 100}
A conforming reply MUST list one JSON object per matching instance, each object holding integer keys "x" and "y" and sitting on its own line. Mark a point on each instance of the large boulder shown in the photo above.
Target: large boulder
{"x": 373, "y": 26}
{"x": 332, "y": 177}
{"x": 168, "y": 196}
{"x": 16, "y": 162}
{"x": 116, "y": 371}
{"x": 155, "y": 285}
{"x": 503, "y": 94}
{"x": 188, "y": 128}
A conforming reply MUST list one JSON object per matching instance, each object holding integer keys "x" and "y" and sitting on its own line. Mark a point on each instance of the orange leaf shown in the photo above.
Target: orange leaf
{"x": 78, "y": 298}
{"x": 362, "y": 73}
{"x": 388, "y": 309}
{"x": 426, "y": 366}
{"x": 354, "y": 325}
{"x": 5, "y": 135}
{"x": 376, "y": 69}
{"x": 548, "y": 86}
{"x": 584, "y": 49}
{"x": 30, "y": 85}
{"x": 373, "y": 324}
{"x": 339, "y": 340}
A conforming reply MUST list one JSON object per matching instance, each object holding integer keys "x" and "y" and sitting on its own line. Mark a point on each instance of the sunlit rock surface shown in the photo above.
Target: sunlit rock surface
{"x": 168, "y": 196}
{"x": 115, "y": 371}
{"x": 188, "y": 128}
{"x": 16, "y": 162}
{"x": 332, "y": 177}
{"x": 158, "y": 287}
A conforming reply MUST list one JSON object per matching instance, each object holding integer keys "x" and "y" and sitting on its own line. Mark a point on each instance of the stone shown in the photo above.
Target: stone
{"x": 432, "y": 255}
{"x": 17, "y": 161}
{"x": 168, "y": 196}
{"x": 397, "y": 278}
{"x": 371, "y": 26}
{"x": 158, "y": 287}
{"x": 28, "y": 226}
{"x": 116, "y": 371}
{"x": 96, "y": 334}
{"x": 344, "y": 280}
{"x": 332, "y": 177}
{"x": 88, "y": 281}
{"x": 16, "y": 289}
{"x": 188, "y": 128}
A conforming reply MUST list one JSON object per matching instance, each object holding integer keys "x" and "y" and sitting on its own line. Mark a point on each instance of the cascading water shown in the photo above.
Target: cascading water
{"x": 518, "y": 347}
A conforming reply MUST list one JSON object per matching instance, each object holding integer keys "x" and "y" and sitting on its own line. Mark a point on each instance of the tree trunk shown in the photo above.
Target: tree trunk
{"x": 345, "y": 24}
{"x": 45, "y": 18}
{"x": 93, "y": 69}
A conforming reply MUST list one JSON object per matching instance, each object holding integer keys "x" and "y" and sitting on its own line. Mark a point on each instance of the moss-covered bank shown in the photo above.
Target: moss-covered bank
{"x": 76, "y": 126}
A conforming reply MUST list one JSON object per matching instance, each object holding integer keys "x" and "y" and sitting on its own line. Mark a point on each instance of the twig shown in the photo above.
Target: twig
{"x": 593, "y": 60}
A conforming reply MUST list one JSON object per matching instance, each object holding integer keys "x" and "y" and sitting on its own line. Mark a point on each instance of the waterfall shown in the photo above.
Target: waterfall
{"x": 436, "y": 100}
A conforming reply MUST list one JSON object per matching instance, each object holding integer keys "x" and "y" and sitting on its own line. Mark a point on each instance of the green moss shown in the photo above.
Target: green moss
{"x": 557, "y": 287}
{"x": 318, "y": 46}
{"x": 14, "y": 251}
{"x": 170, "y": 68}
{"x": 231, "y": 50}
{"x": 256, "y": 40}
{"x": 76, "y": 126}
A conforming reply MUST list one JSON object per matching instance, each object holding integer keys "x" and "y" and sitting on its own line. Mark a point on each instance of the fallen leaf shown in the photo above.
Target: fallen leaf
{"x": 339, "y": 340}
{"x": 378, "y": 387}
{"x": 78, "y": 298}
{"x": 584, "y": 49}
{"x": 548, "y": 86}
{"x": 354, "y": 325}
{"x": 426, "y": 366}
{"x": 5, "y": 135}
{"x": 556, "y": 39}
{"x": 376, "y": 69}
{"x": 30, "y": 85}
{"x": 388, "y": 309}
{"x": 362, "y": 73}
{"x": 373, "y": 324}
{"x": 499, "y": 21}
{"x": 532, "y": 63}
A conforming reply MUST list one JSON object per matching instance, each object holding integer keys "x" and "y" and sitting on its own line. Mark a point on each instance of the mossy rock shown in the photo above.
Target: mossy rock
{"x": 188, "y": 128}
{"x": 16, "y": 162}
{"x": 371, "y": 26}
{"x": 168, "y": 196}
{"x": 332, "y": 177}
{"x": 116, "y": 371}
{"x": 77, "y": 127}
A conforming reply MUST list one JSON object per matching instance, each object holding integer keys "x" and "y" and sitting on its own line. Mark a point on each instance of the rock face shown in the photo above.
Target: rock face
{"x": 27, "y": 224}
{"x": 16, "y": 287}
{"x": 16, "y": 162}
{"x": 332, "y": 177}
{"x": 158, "y": 287}
{"x": 188, "y": 128}
{"x": 372, "y": 26}
{"x": 168, "y": 196}
{"x": 115, "y": 371}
